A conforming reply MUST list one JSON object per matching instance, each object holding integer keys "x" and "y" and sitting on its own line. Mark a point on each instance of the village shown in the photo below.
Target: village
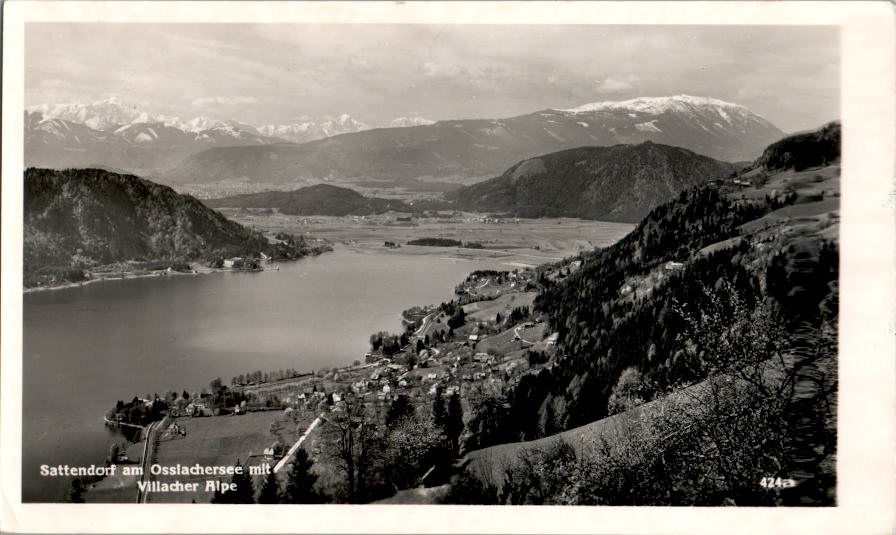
{"x": 481, "y": 341}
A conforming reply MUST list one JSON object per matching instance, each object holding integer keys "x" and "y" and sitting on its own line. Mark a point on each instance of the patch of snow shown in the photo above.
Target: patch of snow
{"x": 198, "y": 124}
{"x": 416, "y": 120}
{"x": 153, "y": 132}
{"x": 142, "y": 117}
{"x": 649, "y": 126}
{"x": 143, "y": 137}
{"x": 724, "y": 115}
{"x": 556, "y": 136}
{"x": 583, "y": 123}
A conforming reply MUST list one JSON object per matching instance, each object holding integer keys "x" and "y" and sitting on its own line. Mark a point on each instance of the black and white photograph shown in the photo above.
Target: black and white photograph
{"x": 451, "y": 263}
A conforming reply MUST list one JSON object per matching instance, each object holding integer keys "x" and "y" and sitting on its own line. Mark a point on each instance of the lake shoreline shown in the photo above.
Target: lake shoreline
{"x": 196, "y": 268}
{"x": 181, "y": 332}
{"x": 123, "y": 276}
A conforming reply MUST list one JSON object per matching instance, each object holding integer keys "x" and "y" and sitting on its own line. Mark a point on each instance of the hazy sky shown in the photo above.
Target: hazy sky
{"x": 263, "y": 74}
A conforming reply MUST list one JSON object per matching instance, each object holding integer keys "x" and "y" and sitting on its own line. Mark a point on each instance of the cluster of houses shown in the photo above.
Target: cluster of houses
{"x": 492, "y": 220}
{"x": 382, "y": 380}
{"x": 736, "y": 181}
{"x": 197, "y": 408}
{"x": 418, "y": 371}
{"x": 246, "y": 263}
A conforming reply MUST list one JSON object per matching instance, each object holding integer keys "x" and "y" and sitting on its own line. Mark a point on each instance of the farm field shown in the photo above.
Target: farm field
{"x": 516, "y": 242}
{"x": 486, "y": 310}
{"x": 221, "y": 441}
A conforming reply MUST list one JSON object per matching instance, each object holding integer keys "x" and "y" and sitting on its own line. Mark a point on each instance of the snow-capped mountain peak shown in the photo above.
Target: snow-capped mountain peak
{"x": 344, "y": 124}
{"x": 656, "y": 105}
{"x": 112, "y": 114}
{"x": 310, "y": 130}
{"x": 99, "y": 114}
{"x": 415, "y": 120}
{"x": 653, "y": 114}
{"x": 198, "y": 124}
{"x": 286, "y": 131}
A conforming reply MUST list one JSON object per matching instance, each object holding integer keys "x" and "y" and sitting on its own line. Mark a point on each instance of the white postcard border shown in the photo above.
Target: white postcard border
{"x": 867, "y": 445}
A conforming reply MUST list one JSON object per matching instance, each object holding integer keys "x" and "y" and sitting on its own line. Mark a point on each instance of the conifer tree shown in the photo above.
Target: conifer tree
{"x": 245, "y": 490}
{"x": 454, "y": 422}
{"x": 438, "y": 415}
{"x": 76, "y": 491}
{"x": 300, "y": 480}
{"x": 270, "y": 489}
{"x": 221, "y": 497}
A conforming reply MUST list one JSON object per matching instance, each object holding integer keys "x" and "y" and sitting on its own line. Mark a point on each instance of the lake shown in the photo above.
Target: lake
{"x": 88, "y": 346}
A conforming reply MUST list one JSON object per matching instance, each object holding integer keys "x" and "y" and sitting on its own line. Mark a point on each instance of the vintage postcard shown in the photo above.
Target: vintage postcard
{"x": 393, "y": 267}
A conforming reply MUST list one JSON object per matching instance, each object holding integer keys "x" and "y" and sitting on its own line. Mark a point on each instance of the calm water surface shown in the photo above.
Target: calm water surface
{"x": 86, "y": 347}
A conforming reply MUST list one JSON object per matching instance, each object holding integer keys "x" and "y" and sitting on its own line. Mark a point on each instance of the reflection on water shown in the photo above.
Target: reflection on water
{"x": 86, "y": 347}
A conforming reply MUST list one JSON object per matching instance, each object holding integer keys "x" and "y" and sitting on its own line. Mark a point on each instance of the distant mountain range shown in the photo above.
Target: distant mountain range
{"x": 109, "y": 133}
{"x": 140, "y": 147}
{"x": 320, "y": 199}
{"x": 485, "y": 147}
{"x": 618, "y": 183}
{"x": 311, "y": 130}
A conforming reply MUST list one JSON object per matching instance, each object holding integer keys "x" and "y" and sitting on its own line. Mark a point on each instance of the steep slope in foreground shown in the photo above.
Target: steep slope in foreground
{"x": 80, "y": 218}
{"x": 320, "y": 199}
{"x": 619, "y": 183}
{"x": 486, "y": 147}
{"x": 717, "y": 283}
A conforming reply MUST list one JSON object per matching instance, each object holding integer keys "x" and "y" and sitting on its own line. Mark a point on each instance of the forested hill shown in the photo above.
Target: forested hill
{"x": 617, "y": 183}
{"x": 79, "y": 218}
{"x": 762, "y": 260}
{"x": 810, "y": 149}
{"x": 320, "y": 199}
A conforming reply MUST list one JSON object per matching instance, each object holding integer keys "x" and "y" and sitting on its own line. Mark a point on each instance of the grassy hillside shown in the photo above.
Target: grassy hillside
{"x": 618, "y": 183}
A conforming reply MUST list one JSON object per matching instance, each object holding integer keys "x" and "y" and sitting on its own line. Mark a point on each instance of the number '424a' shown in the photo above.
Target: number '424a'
{"x": 776, "y": 483}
